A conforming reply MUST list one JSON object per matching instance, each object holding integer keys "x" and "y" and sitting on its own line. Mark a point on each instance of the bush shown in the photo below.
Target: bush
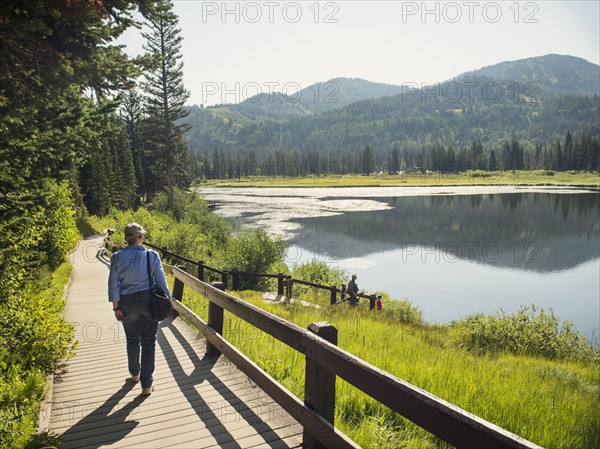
{"x": 319, "y": 272}
{"x": 59, "y": 231}
{"x": 33, "y": 338}
{"x": 253, "y": 251}
{"x": 529, "y": 331}
{"x": 482, "y": 174}
{"x": 400, "y": 310}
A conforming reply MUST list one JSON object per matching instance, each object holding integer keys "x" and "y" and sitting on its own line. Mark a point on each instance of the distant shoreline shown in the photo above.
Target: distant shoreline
{"x": 392, "y": 190}
{"x": 520, "y": 179}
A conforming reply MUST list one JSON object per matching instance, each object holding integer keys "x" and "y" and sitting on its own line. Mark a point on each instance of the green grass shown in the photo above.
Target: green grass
{"x": 520, "y": 177}
{"x": 552, "y": 403}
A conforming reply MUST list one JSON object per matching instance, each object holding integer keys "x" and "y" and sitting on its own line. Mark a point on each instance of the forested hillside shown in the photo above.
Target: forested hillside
{"x": 320, "y": 97}
{"x": 516, "y": 114}
{"x": 471, "y": 111}
{"x": 554, "y": 73}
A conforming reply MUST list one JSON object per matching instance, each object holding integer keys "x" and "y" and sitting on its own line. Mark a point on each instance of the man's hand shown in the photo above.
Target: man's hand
{"x": 119, "y": 315}
{"x": 117, "y": 310}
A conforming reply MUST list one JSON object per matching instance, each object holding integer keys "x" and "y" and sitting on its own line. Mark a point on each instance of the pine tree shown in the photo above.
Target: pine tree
{"x": 368, "y": 160}
{"x": 492, "y": 164}
{"x": 165, "y": 98}
{"x": 132, "y": 116}
{"x": 568, "y": 152}
{"x": 394, "y": 161}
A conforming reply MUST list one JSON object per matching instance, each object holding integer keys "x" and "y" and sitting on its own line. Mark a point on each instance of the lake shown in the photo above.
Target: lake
{"x": 450, "y": 251}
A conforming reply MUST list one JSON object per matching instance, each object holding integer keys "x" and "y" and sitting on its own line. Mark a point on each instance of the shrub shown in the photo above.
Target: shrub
{"x": 253, "y": 251}
{"x": 318, "y": 272}
{"x": 33, "y": 337}
{"x": 529, "y": 331}
{"x": 59, "y": 231}
{"x": 481, "y": 174}
{"x": 400, "y": 310}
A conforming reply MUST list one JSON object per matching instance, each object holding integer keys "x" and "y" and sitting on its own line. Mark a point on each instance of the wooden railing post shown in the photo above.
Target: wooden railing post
{"x": 224, "y": 274}
{"x": 201, "y": 270}
{"x": 280, "y": 278}
{"x": 288, "y": 288}
{"x": 215, "y": 321}
{"x": 319, "y": 384}
{"x": 333, "y": 298}
{"x": 372, "y": 300}
{"x": 235, "y": 279}
{"x": 178, "y": 285}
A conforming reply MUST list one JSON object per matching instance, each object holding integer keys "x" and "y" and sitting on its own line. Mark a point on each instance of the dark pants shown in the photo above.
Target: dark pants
{"x": 140, "y": 331}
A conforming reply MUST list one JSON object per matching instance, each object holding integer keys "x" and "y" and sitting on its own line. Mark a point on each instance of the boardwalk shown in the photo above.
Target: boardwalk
{"x": 199, "y": 401}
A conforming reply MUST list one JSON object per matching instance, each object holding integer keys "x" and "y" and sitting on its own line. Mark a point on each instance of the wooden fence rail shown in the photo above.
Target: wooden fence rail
{"x": 443, "y": 419}
{"x": 284, "y": 282}
{"x": 324, "y": 362}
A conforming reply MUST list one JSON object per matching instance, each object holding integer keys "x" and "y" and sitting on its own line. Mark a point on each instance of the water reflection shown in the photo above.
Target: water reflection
{"x": 541, "y": 232}
{"x": 450, "y": 251}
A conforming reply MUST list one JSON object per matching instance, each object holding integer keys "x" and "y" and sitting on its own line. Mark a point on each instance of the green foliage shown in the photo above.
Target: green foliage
{"x": 400, "y": 310}
{"x": 59, "y": 233}
{"x": 319, "y": 272}
{"x": 43, "y": 234}
{"x": 20, "y": 395}
{"x": 54, "y": 55}
{"x": 529, "y": 331}
{"x": 253, "y": 251}
{"x": 426, "y": 133}
{"x": 199, "y": 234}
{"x": 33, "y": 337}
{"x": 191, "y": 208}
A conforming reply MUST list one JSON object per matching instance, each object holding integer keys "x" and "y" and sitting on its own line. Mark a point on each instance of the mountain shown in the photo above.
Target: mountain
{"x": 553, "y": 73}
{"x": 320, "y": 97}
{"x": 471, "y": 107}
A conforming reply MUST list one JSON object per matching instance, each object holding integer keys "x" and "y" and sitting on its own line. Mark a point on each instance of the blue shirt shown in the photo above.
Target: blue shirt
{"x": 129, "y": 272}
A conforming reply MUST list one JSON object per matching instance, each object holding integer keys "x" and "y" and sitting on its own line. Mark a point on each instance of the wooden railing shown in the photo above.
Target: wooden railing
{"x": 284, "y": 282}
{"x": 324, "y": 363}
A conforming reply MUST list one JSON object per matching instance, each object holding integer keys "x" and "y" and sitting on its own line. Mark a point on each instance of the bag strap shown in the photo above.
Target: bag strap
{"x": 148, "y": 266}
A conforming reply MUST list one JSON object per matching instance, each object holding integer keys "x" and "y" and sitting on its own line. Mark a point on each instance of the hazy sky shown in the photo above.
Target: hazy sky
{"x": 233, "y": 49}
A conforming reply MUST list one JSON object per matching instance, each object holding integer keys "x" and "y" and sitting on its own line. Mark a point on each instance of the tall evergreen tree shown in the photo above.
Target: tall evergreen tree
{"x": 492, "y": 163}
{"x": 132, "y": 116}
{"x": 394, "y": 161}
{"x": 568, "y": 152}
{"x": 165, "y": 98}
{"x": 368, "y": 160}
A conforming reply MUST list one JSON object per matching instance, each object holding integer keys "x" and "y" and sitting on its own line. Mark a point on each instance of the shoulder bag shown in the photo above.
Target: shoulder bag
{"x": 160, "y": 304}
